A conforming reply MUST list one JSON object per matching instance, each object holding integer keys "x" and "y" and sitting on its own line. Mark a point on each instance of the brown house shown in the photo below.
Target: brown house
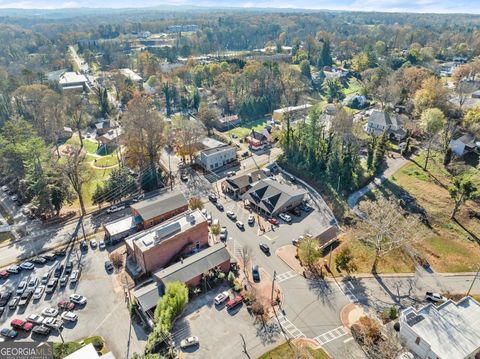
{"x": 162, "y": 245}
{"x": 155, "y": 210}
{"x": 238, "y": 185}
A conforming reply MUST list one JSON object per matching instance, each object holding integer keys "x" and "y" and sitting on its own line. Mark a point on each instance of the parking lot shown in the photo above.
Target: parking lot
{"x": 105, "y": 314}
{"x": 220, "y": 331}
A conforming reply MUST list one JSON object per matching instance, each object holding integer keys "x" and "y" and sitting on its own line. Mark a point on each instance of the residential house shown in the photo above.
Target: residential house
{"x": 381, "y": 121}
{"x": 295, "y": 112}
{"x": 449, "y": 331}
{"x": 158, "y": 209}
{"x": 214, "y": 158}
{"x": 131, "y": 75}
{"x": 239, "y": 184}
{"x": 258, "y": 140}
{"x": 463, "y": 144}
{"x": 71, "y": 81}
{"x": 269, "y": 197}
{"x": 111, "y": 139}
{"x": 226, "y": 123}
{"x": 102, "y": 126}
{"x": 163, "y": 244}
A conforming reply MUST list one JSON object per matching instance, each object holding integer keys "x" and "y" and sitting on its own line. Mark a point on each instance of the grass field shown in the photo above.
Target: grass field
{"x": 354, "y": 87}
{"x": 245, "y": 129}
{"x": 284, "y": 351}
{"x": 90, "y": 146}
{"x": 107, "y": 161}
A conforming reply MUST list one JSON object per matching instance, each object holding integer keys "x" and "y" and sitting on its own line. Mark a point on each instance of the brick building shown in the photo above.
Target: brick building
{"x": 161, "y": 245}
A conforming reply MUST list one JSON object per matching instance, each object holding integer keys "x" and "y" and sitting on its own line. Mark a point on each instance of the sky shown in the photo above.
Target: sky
{"x": 435, "y": 6}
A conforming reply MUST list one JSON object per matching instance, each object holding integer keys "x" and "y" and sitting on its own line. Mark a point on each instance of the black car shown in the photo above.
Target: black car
{"x": 68, "y": 267}
{"x": 296, "y": 212}
{"x": 84, "y": 245}
{"x": 39, "y": 260}
{"x": 8, "y": 333}
{"x": 58, "y": 271}
{"x": 41, "y": 330}
{"x": 219, "y": 206}
{"x": 212, "y": 197}
{"x": 49, "y": 256}
{"x": 60, "y": 253}
{"x": 255, "y": 273}
{"x": 265, "y": 249}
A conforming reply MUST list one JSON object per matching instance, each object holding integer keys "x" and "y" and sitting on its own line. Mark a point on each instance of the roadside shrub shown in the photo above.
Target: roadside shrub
{"x": 117, "y": 259}
{"x": 195, "y": 203}
{"x": 231, "y": 278}
{"x": 97, "y": 343}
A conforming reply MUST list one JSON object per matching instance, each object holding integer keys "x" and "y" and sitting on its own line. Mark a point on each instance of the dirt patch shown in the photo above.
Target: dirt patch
{"x": 288, "y": 255}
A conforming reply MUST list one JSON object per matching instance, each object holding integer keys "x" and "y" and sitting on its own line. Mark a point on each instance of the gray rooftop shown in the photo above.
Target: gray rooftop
{"x": 243, "y": 180}
{"x": 148, "y": 295}
{"x": 451, "y": 329}
{"x": 223, "y": 148}
{"x": 380, "y": 117}
{"x": 161, "y": 204}
{"x": 194, "y": 265}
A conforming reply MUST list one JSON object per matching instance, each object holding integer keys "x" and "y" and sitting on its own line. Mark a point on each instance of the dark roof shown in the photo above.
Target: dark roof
{"x": 242, "y": 181}
{"x": 195, "y": 265}
{"x": 258, "y": 136}
{"x": 227, "y": 119}
{"x": 271, "y": 195}
{"x": 380, "y": 118}
{"x": 148, "y": 295}
{"x": 158, "y": 205}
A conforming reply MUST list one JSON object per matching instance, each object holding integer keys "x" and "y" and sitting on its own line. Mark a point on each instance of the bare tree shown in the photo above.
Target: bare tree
{"x": 74, "y": 168}
{"x": 384, "y": 228}
{"x": 188, "y": 137}
{"x": 246, "y": 255}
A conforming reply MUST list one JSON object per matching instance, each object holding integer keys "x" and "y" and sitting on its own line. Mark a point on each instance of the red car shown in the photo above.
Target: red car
{"x": 4, "y": 274}
{"x": 65, "y": 304}
{"x": 273, "y": 220}
{"x": 232, "y": 303}
{"x": 21, "y": 324}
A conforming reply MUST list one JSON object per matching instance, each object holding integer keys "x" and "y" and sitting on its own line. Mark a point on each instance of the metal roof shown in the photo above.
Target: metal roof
{"x": 158, "y": 205}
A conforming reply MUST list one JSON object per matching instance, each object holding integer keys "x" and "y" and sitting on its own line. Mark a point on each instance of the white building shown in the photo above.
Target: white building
{"x": 214, "y": 158}
{"x": 131, "y": 75}
{"x": 380, "y": 121}
{"x": 449, "y": 331}
{"x": 463, "y": 144}
{"x": 295, "y": 112}
{"x": 73, "y": 81}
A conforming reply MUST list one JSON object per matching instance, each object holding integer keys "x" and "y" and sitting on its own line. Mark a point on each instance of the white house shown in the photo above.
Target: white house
{"x": 463, "y": 144}
{"x": 380, "y": 121}
{"x": 214, "y": 158}
{"x": 449, "y": 331}
{"x": 73, "y": 81}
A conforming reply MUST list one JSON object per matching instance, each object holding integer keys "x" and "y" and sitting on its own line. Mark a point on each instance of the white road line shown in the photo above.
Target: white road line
{"x": 331, "y": 335}
{"x": 347, "y": 292}
{"x": 347, "y": 340}
{"x": 286, "y": 276}
{"x": 267, "y": 237}
{"x": 288, "y": 326}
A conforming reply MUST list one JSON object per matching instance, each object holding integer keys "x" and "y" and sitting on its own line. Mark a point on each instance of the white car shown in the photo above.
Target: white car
{"x": 27, "y": 265}
{"x": 204, "y": 212}
{"x": 14, "y": 197}
{"x": 434, "y": 297}
{"x": 114, "y": 209}
{"x": 190, "y": 341}
{"x": 21, "y": 287}
{"x": 251, "y": 219}
{"x": 93, "y": 243}
{"x": 38, "y": 292}
{"x": 32, "y": 283}
{"x": 46, "y": 277}
{"x": 35, "y": 319}
{"x": 101, "y": 245}
{"x": 285, "y": 217}
{"x": 223, "y": 233}
{"x": 50, "y": 312}
{"x": 53, "y": 323}
{"x": 240, "y": 224}
{"x": 78, "y": 299}
{"x": 209, "y": 219}
{"x": 221, "y": 298}
{"x": 74, "y": 276}
{"x": 69, "y": 316}
{"x": 5, "y": 188}
{"x": 231, "y": 215}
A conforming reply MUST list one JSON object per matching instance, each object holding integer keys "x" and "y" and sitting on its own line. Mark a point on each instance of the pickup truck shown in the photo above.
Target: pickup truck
{"x": 233, "y": 303}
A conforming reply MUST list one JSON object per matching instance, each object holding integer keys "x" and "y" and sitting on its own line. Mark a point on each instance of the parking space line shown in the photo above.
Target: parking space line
{"x": 347, "y": 340}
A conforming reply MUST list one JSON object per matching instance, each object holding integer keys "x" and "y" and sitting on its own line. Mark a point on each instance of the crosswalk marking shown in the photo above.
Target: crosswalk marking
{"x": 289, "y": 327}
{"x": 331, "y": 335}
{"x": 285, "y": 276}
{"x": 348, "y": 293}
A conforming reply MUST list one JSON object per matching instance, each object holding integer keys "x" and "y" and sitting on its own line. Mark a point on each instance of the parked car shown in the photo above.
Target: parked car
{"x": 4, "y": 274}
{"x": 14, "y": 269}
{"x": 38, "y": 292}
{"x": 108, "y": 266}
{"x": 285, "y": 217}
{"x": 220, "y": 298}
{"x": 21, "y": 287}
{"x": 184, "y": 177}
{"x": 35, "y": 319}
{"x": 101, "y": 245}
{"x": 13, "y": 303}
{"x": 219, "y": 206}
{"x": 45, "y": 277}
{"x": 233, "y": 303}
{"x": 58, "y": 271}
{"x": 32, "y": 283}
{"x": 114, "y": 208}
{"x": 25, "y": 298}
{"x": 212, "y": 197}
{"x": 14, "y": 197}
{"x": 74, "y": 276}
{"x": 2, "y": 310}
{"x": 306, "y": 208}
{"x": 240, "y": 224}
{"x": 223, "y": 233}
{"x": 69, "y": 316}
{"x": 231, "y": 173}
{"x": 78, "y": 299}
{"x": 4, "y": 298}
{"x": 209, "y": 219}
{"x": 68, "y": 267}
{"x": 138, "y": 198}
{"x": 5, "y": 188}
{"x": 21, "y": 324}
{"x": 66, "y": 304}
{"x": 83, "y": 245}
{"x": 39, "y": 260}
{"x": 245, "y": 154}
{"x": 296, "y": 241}
{"x": 51, "y": 286}
{"x": 188, "y": 342}
{"x": 434, "y": 297}
{"x": 49, "y": 256}
{"x": 273, "y": 220}
{"x": 41, "y": 330}
{"x": 27, "y": 265}
{"x": 93, "y": 244}
{"x": 53, "y": 323}
{"x": 50, "y": 312}
{"x": 255, "y": 273}
{"x": 60, "y": 253}
{"x": 231, "y": 215}
{"x": 64, "y": 280}
{"x": 264, "y": 248}
{"x": 251, "y": 219}
{"x": 8, "y": 333}
{"x": 296, "y": 212}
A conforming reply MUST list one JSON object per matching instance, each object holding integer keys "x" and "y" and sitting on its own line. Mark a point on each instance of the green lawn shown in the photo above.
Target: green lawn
{"x": 109, "y": 160}
{"x": 61, "y": 350}
{"x": 354, "y": 87}
{"x": 90, "y": 146}
{"x": 245, "y": 129}
{"x": 284, "y": 351}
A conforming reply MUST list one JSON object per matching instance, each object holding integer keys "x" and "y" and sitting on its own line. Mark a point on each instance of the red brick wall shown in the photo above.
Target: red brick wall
{"x": 161, "y": 255}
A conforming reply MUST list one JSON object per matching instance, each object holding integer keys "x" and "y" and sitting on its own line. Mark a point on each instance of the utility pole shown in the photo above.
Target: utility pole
{"x": 473, "y": 281}
{"x": 170, "y": 173}
{"x": 273, "y": 284}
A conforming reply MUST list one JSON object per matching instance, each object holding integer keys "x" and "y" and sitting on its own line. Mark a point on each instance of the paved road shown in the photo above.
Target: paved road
{"x": 393, "y": 165}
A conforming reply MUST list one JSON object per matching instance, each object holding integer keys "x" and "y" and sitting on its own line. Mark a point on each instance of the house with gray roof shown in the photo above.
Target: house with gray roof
{"x": 381, "y": 121}
{"x": 269, "y": 197}
{"x": 239, "y": 184}
{"x": 448, "y": 331}
{"x": 463, "y": 144}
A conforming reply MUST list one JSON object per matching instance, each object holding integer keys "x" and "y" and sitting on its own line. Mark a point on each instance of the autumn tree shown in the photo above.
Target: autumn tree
{"x": 144, "y": 135}
{"x": 309, "y": 252}
{"x": 384, "y": 228}
{"x": 207, "y": 115}
{"x": 432, "y": 94}
{"x": 73, "y": 167}
{"x": 188, "y": 137}
{"x": 463, "y": 189}
{"x": 471, "y": 120}
{"x": 432, "y": 121}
